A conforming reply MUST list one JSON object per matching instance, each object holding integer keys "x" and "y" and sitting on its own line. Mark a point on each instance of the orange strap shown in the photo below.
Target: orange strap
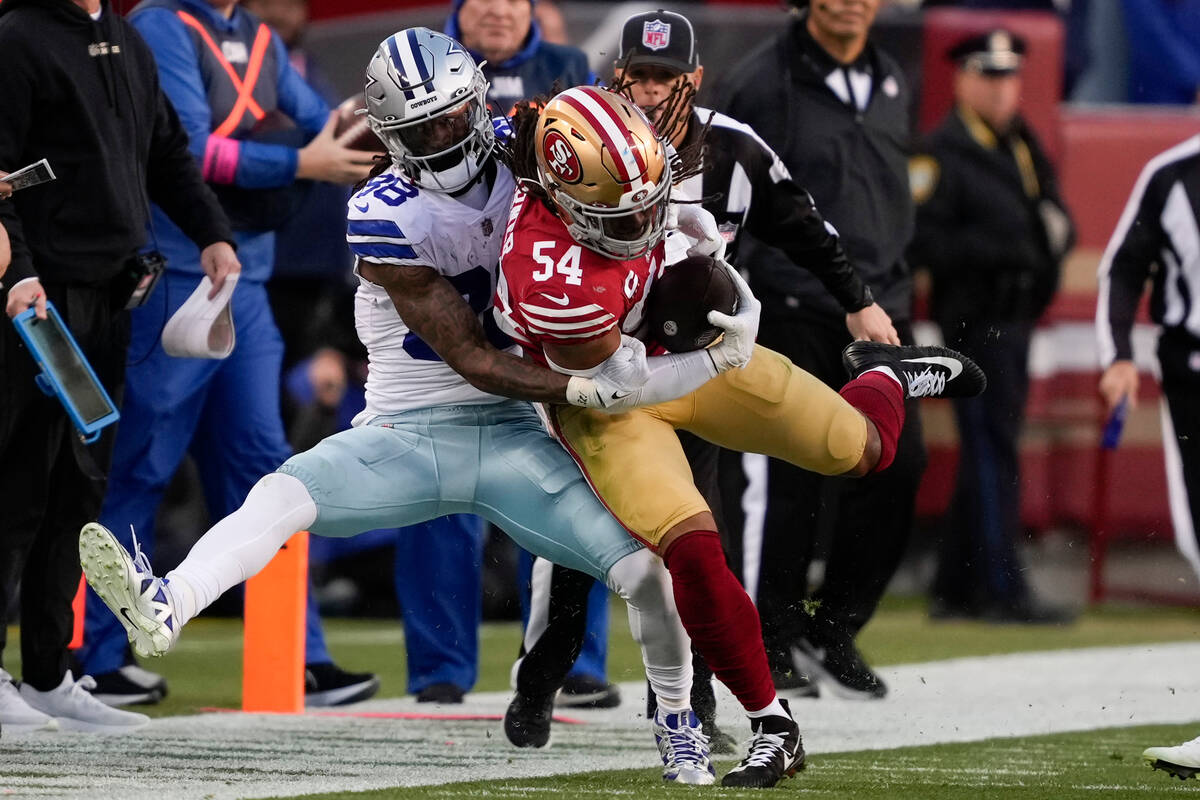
{"x": 245, "y": 89}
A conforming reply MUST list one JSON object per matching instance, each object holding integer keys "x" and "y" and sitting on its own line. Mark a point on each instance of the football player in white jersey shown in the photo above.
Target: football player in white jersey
{"x": 438, "y": 435}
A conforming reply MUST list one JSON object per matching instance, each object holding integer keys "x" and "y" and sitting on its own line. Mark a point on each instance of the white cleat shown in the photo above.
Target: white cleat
{"x": 684, "y": 749}
{"x": 129, "y": 588}
{"x": 73, "y": 706}
{"x": 17, "y": 716}
{"x": 1182, "y": 761}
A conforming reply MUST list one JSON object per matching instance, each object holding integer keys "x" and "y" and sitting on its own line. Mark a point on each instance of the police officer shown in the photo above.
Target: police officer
{"x": 993, "y": 231}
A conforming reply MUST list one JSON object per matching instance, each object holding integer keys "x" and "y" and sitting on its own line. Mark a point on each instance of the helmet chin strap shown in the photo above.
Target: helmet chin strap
{"x": 450, "y": 180}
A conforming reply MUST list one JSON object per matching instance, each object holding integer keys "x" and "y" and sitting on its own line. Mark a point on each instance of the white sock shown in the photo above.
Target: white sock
{"x": 775, "y": 709}
{"x": 642, "y": 580}
{"x": 886, "y": 371}
{"x": 239, "y": 546}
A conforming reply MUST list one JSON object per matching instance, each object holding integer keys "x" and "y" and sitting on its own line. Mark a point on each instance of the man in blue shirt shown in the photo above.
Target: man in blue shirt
{"x": 228, "y": 77}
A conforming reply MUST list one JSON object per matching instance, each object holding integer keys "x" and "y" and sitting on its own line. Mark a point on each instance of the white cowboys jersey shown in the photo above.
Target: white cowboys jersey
{"x": 391, "y": 221}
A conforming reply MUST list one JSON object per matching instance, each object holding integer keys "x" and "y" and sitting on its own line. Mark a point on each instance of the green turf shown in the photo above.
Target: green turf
{"x": 1083, "y": 766}
{"x": 205, "y": 668}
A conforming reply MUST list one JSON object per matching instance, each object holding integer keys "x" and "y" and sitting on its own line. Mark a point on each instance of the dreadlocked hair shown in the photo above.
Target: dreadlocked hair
{"x": 382, "y": 162}
{"x": 674, "y": 113}
{"x": 519, "y": 151}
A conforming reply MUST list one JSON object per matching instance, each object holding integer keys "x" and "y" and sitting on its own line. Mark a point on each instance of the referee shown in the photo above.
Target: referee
{"x": 1157, "y": 238}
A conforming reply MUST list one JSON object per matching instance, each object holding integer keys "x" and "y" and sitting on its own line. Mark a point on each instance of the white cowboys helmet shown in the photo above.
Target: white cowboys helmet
{"x": 426, "y": 103}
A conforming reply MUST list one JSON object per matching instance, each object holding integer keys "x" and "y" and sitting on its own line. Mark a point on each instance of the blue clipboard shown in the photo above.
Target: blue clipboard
{"x": 66, "y": 372}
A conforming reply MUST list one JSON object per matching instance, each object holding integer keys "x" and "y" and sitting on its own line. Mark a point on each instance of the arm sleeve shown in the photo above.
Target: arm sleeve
{"x": 252, "y": 165}
{"x": 16, "y": 98}
{"x": 785, "y": 216}
{"x": 1124, "y": 267}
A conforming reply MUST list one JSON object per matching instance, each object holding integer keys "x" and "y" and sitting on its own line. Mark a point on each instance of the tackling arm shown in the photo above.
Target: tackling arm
{"x": 436, "y": 311}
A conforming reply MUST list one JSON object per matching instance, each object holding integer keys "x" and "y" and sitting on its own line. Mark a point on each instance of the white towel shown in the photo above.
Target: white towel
{"x": 202, "y": 328}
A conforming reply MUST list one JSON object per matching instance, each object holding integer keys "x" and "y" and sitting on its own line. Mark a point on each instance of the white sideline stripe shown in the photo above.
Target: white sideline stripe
{"x": 225, "y": 756}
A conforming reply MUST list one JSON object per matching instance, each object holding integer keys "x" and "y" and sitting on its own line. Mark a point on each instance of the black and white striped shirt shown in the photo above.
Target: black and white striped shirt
{"x": 1158, "y": 236}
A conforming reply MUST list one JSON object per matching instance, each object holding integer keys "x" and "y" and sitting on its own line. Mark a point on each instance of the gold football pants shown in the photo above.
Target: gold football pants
{"x": 636, "y": 465}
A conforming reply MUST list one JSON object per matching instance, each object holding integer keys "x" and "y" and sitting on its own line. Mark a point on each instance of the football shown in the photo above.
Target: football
{"x": 680, "y": 300}
{"x": 352, "y": 130}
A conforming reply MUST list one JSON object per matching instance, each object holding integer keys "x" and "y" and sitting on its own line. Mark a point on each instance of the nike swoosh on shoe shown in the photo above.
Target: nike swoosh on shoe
{"x": 952, "y": 364}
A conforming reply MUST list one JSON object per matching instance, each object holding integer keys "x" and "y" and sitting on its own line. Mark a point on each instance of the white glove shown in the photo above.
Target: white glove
{"x": 617, "y": 377}
{"x": 737, "y": 345}
{"x": 698, "y": 225}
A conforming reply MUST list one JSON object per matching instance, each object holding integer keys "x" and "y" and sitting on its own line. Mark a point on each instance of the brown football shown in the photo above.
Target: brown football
{"x": 352, "y": 130}
{"x": 680, "y": 300}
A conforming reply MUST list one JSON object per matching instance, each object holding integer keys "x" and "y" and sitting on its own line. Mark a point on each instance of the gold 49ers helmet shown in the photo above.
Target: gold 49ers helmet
{"x": 605, "y": 169}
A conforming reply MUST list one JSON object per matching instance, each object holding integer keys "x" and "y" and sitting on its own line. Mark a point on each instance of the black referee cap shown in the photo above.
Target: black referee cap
{"x": 661, "y": 38}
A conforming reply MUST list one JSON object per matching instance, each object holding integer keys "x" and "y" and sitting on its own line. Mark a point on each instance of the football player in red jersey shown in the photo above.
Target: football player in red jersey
{"x": 585, "y": 242}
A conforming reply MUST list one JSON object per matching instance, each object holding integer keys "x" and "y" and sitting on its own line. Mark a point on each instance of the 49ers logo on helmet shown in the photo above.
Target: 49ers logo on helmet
{"x": 561, "y": 158}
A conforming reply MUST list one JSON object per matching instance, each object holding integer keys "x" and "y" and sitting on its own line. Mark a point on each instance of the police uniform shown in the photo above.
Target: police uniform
{"x": 992, "y": 230}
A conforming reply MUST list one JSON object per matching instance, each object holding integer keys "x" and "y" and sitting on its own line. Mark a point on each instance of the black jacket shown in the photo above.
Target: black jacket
{"x": 84, "y": 94}
{"x": 748, "y": 189}
{"x": 855, "y": 164}
{"x": 980, "y": 225}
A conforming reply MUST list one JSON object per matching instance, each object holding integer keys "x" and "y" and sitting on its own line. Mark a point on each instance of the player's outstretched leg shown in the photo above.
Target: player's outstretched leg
{"x": 1182, "y": 761}
{"x": 925, "y": 371}
{"x": 128, "y": 586}
{"x": 776, "y": 752}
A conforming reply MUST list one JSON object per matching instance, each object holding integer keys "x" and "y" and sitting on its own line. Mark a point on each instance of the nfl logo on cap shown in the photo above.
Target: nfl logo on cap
{"x": 656, "y": 34}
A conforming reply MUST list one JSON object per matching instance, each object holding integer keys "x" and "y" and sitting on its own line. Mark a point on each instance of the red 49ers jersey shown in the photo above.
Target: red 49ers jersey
{"x": 553, "y": 289}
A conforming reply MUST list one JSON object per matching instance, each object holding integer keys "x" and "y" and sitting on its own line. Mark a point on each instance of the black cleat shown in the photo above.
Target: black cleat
{"x": 925, "y": 371}
{"x": 841, "y": 668}
{"x": 776, "y": 752}
{"x": 441, "y": 693}
{"x": 527, "y": 720}
{"x": 327, "y": 684}
{"x": 128, "y": 686}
